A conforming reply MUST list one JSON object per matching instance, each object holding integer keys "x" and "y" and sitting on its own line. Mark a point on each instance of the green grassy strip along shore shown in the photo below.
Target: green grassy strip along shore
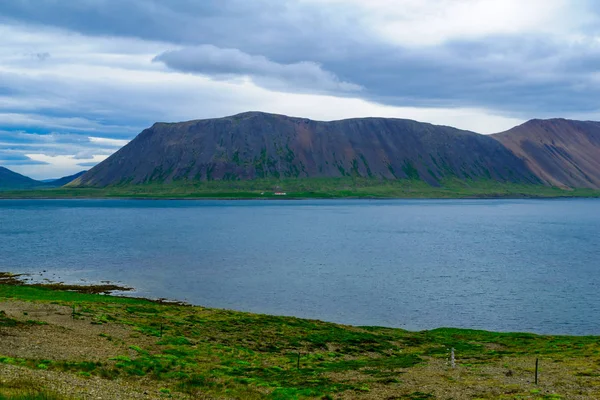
{"x": 311, "y": 188}
{"x": 229, "y": 354}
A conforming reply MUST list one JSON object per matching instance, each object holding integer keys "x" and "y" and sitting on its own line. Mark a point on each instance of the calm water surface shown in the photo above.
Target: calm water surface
{"x": 511, "y": 265}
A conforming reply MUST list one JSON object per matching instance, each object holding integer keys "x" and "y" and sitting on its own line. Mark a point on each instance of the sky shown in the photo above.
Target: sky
{"x": 79, "y": 79}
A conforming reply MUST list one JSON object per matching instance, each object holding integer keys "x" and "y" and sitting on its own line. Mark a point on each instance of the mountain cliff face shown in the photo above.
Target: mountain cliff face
{"x": 560, "y": 152}
{"x": 258, "y": 145}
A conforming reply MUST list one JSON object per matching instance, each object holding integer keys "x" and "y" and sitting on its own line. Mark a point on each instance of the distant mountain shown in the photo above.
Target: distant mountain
{"x": 560, "y": 152}
{"x": 10, "y": 180}
{"x": 67, "y": 179}
{"x": 258, "y": 145}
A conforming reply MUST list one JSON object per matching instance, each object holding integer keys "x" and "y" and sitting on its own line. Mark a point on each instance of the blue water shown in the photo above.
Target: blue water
{"x": 509, "y": 265}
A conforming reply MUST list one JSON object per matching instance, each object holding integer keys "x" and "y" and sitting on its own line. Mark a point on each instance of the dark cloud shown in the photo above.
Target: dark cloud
{"x": 22, "y": 162}
{"x": 284, "y": 31}
{"x": 15, "y": 158}
{"x": 176, "y": 21}
{"x": 516, "y": 75}
{"x": 211, "y": 60}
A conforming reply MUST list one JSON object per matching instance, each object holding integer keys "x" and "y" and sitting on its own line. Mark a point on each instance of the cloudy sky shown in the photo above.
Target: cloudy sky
{"x": 78, "y": 79}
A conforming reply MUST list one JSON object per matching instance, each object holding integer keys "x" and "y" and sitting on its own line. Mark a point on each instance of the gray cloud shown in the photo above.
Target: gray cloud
{"x": 211, "y": 60}
{"x": 11, "y": 157}
{"x": 532, "y": 76}
{"x": 88, "y": 164}
{"x": 9, "y": 163}
{"x": 175, "y": 21}
{"x": 16, "y": 144}
{"x": 288, "y": 45}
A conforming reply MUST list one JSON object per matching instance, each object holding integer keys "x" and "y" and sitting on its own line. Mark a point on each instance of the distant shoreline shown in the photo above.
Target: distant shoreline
{"x": 308, "y": 188}
{"x": 289, "y": 198}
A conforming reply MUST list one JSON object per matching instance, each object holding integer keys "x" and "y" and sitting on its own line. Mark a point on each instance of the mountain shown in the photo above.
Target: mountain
{"x": 258, "y": 145}
{"x": 10, "y": 180}
{"x": 560, "y": 152}
{"x": 64, "y": 180}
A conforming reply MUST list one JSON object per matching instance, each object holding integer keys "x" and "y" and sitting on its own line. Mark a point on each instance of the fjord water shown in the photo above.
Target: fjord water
{"x": 507, "y": 265}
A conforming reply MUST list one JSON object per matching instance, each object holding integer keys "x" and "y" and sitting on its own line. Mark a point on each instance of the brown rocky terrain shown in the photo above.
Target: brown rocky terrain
{"x": 259, "y": 145}
{"x": 560, "y": 152}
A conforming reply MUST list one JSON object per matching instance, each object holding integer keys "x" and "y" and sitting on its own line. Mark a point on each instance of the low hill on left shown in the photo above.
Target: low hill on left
{"x": 10, "y": 180}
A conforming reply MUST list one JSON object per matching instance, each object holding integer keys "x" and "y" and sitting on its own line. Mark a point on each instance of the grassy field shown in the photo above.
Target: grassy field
{"x": 57, "y": 344}
{"x": 310, "y": 188}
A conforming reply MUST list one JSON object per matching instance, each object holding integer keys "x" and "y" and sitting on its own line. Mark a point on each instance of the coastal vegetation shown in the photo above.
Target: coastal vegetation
{"x": 311, "y": 188}
{"x": 63, "y": 344}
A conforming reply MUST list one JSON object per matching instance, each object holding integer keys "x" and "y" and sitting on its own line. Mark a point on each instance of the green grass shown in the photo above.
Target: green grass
{"x": 22, "y": 389}
{"x": 310, "y": 188}
{"x": 31, "y": 293}
{"x": 31, "y": 396}
{"x": 242, "y": 355}
{"x": 6, "y": 321}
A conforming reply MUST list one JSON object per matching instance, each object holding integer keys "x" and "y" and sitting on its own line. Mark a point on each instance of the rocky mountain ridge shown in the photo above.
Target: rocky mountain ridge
{"x": 259, "y": 145}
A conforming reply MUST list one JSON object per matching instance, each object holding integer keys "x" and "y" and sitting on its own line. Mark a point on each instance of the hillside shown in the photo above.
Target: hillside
{"x": 10, "y": 180}
{"x": 64, "y": 180}
{"x": 259, "y": 145}
{"x": 560, "y": 152}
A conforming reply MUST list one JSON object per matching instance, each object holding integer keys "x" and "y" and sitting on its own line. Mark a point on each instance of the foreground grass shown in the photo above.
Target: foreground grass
{"x": 310, "y": 188}
{"x": 194, "y": 351}
{"x": 31, "y": 396}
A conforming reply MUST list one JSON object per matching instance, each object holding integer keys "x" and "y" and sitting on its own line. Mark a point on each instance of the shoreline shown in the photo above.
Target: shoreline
{"x": 310, "y": 188}
{"x": 105, "y": 288}
{"x": 282, "y": 198}
{"x": 64, "y": 343}
{"x": 114, "y": 290}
